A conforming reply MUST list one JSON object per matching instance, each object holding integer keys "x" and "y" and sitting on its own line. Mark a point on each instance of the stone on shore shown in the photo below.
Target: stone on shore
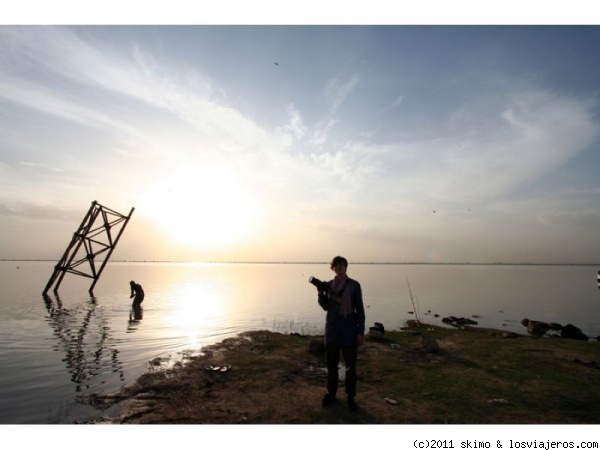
{"x": 535, "y": 327}
{"x": 430, "y": 344}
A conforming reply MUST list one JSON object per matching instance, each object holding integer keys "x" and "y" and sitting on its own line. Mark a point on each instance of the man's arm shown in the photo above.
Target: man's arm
{"x": 324, "y": 300}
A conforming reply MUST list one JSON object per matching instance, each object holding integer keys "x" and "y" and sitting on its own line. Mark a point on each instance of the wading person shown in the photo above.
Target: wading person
{"x": 344, "y": 329}
{"x": 138, "y": 292}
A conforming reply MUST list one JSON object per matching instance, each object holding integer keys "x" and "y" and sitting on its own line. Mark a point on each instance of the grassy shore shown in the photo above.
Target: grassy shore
{"x": 477, "y": 376}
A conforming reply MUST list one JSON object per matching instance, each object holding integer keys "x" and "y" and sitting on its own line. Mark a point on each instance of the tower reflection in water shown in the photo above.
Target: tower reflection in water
{"x": 84, "y": 335}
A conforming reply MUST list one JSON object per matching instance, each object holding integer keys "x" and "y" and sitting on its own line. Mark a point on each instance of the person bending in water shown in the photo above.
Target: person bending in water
{"x": 138, "y": 292}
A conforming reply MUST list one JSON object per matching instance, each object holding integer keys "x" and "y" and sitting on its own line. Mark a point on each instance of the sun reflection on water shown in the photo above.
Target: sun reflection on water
{"x": 197, "y": 308}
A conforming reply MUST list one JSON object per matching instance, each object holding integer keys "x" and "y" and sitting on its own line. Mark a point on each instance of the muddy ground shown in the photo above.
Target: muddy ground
{"x": 476, "y": 376}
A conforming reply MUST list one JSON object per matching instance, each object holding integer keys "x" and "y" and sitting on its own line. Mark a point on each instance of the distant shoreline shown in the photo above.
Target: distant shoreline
{"x": 374, "y": 263}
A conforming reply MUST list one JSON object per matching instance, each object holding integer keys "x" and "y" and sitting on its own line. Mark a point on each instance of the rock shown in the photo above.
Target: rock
{"x": 591, "y": 364}
{"x": 572, "y": 332}
{"x": 535, "y": 327}
{"x": 458, "y": 321}
{"x": 467, "y": 322}
{"x": 509, "y": 335}
{"x": 375, "y": 333}
{"x": 412, "y": 323}
{"x": 377, "y": 330}
{"x": 430, "y": 344}
{"x": 379, "y": 327}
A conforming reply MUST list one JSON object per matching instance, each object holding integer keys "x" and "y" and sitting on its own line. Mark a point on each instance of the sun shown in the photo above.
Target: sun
{"x": 201, "y": 208}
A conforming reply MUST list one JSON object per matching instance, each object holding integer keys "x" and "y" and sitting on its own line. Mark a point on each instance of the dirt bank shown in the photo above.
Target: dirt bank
{"x": 477, "y": 377}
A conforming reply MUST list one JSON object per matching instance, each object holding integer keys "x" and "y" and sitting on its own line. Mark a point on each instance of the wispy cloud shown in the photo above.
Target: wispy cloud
{"x": 321, "y": 133}
{"x": 523, "y": 140}
{"x": 49, "y": 101}
{"x": 295, "y": 129}
{"x": 121, "y": 91}
{"x": 338, "y": 89}
{"x": 39, "y": 212}
{"x": 393, "y": 104}
{"x": 570, "y": 219}
{"x": 41, "y": 167}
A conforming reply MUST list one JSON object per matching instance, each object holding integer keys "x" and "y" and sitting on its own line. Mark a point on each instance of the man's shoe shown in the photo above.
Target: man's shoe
{"x": 328, "y": 399}
{"x": 351, "y": 404}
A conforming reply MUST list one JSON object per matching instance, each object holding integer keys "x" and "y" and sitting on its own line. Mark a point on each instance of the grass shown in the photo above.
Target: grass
{"x": 481, "y": 377}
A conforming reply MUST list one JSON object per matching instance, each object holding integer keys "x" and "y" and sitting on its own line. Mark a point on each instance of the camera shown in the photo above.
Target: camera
{"x": 321, "y": 286}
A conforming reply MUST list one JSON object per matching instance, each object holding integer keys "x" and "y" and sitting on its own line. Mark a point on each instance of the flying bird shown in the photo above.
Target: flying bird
{"x": 276, "y": 63}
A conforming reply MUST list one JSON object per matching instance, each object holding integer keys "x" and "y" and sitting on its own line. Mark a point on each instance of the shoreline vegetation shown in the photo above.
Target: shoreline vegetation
{"x": 419, "y": 374}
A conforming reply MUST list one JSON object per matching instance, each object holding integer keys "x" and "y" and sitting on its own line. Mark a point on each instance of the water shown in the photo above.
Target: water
{"x": 57, "y": 349}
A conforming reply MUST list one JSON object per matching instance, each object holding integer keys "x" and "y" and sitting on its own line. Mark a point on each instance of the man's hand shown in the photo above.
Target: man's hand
{"x": 360, "y": 340}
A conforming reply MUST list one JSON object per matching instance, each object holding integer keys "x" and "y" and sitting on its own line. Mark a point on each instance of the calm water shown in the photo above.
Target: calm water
{"x": 57, "y": 349}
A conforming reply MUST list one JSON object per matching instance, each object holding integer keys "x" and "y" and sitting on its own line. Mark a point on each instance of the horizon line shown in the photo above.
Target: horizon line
{"x": 323, "y": 262}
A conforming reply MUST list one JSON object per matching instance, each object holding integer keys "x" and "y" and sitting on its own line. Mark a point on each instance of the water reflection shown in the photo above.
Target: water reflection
{"x": 195, "y": 308}
{"x": 83, "y": 334}
{"x": 136, "y": 314}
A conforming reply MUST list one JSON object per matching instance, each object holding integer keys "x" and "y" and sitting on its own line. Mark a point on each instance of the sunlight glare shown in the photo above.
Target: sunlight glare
{"x": 199, "y": 308}
{"x": 204, "y": 207}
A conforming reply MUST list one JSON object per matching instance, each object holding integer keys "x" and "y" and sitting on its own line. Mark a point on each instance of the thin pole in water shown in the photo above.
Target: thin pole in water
{"x": 413, "y": 303}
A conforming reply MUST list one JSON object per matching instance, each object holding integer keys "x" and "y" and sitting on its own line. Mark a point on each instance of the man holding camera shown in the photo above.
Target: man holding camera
{"x": 344, "y": 328}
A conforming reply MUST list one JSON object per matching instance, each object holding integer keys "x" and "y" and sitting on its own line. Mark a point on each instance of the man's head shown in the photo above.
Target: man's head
{"x": 339, "y": 260}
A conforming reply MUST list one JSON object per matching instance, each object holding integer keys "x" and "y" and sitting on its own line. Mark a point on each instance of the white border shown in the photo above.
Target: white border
{"x": 296, "y": 12}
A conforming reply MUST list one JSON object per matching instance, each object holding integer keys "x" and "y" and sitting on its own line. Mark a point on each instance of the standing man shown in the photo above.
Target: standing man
{"x": 344, "y": 329}
{"x": 138, "y": 292}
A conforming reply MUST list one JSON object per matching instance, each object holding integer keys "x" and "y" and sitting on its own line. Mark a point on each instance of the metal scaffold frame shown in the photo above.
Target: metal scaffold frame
{"x": 96, "y": 239}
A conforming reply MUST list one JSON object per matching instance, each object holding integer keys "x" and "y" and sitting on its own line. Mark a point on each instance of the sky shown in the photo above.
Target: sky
{"x": 381, "y": 143}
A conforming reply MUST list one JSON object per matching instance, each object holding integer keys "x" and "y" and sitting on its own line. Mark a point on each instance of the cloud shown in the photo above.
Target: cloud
{"x": 39, "y": 212}
{"x": 565, "y": 219}
{"x": 338, "y": 89}
{"x": 49, "y": 101}
{"x": 295, "y": 129}
{"x": 321, "y": 133}
{"x": 496, "y": 144}
{"x": 395, "y": 103}
{"x": 42, "y": 167}
{"x": 127, "y": 70}
{"x": 140, "y": 103}
{"x": 487, "y": 158}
